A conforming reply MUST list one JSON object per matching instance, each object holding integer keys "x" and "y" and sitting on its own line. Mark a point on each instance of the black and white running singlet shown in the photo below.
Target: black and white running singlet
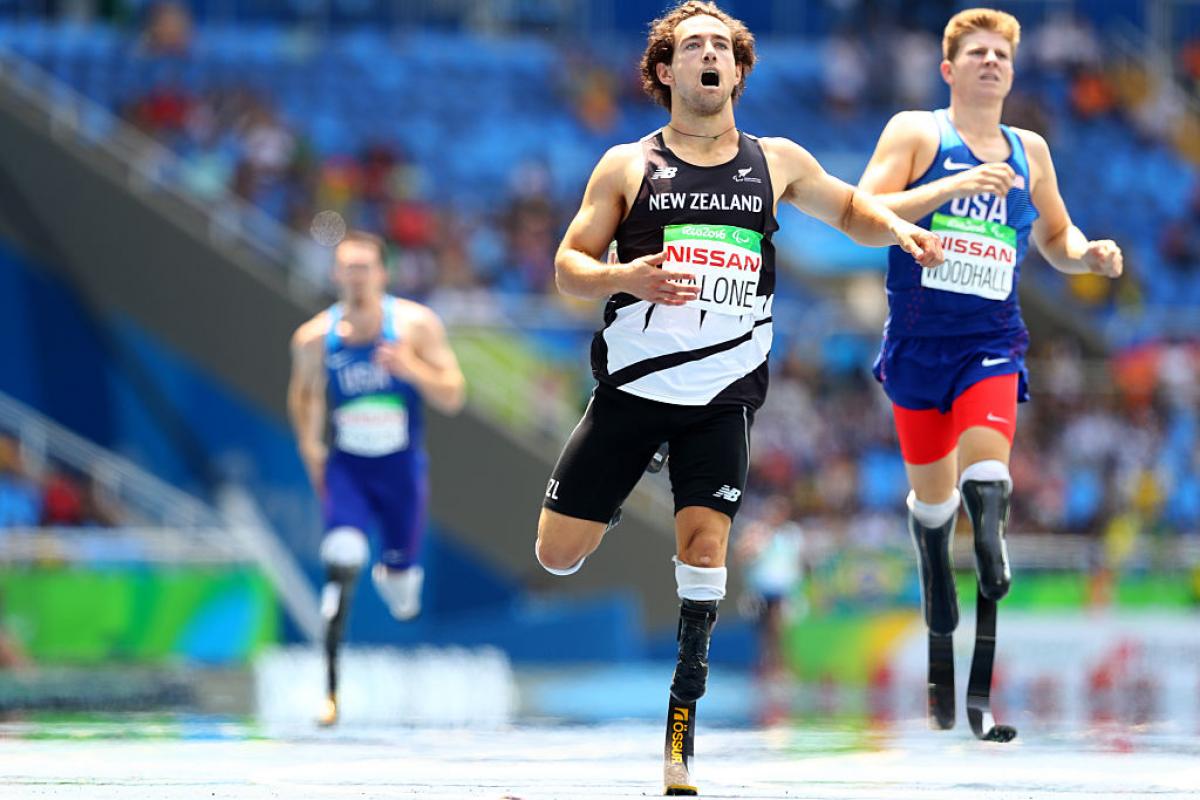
{"x": 716, "y": 223}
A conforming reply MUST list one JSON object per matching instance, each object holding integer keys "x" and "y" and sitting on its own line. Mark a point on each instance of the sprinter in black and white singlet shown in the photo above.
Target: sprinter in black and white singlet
{"x": 682, "y": 357}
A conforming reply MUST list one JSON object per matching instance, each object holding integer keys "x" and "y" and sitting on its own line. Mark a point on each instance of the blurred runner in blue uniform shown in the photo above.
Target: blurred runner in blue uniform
{"x": 369, "y": 360}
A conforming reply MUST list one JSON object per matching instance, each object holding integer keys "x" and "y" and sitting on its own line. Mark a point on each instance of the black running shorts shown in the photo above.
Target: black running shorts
{"x": 620, "y": 432}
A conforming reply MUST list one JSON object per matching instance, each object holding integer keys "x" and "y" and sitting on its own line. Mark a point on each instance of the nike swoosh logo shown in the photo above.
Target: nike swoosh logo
{"x": 991, "y": 362}
{"x": 951, "y": 165}
{"x": 993, "y": 418}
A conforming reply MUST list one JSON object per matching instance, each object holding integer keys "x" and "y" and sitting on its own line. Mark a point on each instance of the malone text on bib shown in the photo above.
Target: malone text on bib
{"x": 724, "y": 260}
{"x": 981, "y": 257}
{"x": 375, "y": 425}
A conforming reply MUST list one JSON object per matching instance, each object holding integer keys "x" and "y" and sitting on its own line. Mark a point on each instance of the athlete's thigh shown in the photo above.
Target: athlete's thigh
{"x": 710, "y": 458}
{"x": 400, "y": 499}
{"x": 606, "y": 455}
{"x": 985, "y": 418}
{"x": 934, "y": 482}
{"x": 344, "y": 503}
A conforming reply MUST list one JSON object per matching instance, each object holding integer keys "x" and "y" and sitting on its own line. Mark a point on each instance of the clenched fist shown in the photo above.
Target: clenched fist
{"x": 1103, "y": 257}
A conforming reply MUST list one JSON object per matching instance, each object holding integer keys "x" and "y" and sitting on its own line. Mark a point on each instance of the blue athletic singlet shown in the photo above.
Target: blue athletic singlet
{"x": 376, "y": 471}
{"x": 966, "y": 310}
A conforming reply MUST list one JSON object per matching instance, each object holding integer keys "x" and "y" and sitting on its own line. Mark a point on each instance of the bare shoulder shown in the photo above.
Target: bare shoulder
{"x": 417, "y": 316}
{"x": 917, "y": 125}
{"x": 619, "y": 164}
{"x": 1035, "y": 143}
{"x": 787, "y": 157}
{"x": 311, "y": 332}
{"x": 781, "y": 146}
{"x": 914, "y": 133}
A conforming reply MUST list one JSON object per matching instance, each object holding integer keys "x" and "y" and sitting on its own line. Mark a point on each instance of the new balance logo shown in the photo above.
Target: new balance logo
{"x": 664, "y": 172}
{"x": 743, "y": 176}
{"x": 991, "y": 362}
{"x": 729, "y": 493}
{"x": 950, "y": 165}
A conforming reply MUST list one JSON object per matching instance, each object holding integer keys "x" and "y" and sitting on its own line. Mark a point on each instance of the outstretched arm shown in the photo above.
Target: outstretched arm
{"x": 857, "y": 214}
{"x": 908, "y": 134}
{"x": 578, "y": 269}
{"x": 1058, "y": 239}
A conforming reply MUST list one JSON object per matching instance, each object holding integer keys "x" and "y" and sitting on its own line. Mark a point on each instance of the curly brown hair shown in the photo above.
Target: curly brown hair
{"x": 660, "y": 47}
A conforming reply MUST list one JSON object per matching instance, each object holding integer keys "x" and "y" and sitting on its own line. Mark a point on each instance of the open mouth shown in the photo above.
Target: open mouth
{"x": 710, "y": 77}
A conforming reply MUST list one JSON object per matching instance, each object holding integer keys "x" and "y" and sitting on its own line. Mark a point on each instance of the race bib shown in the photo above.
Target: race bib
{"x": 981, "y": 257}
{"x": 375, "y": 425}
{"x": 725, "y": 261}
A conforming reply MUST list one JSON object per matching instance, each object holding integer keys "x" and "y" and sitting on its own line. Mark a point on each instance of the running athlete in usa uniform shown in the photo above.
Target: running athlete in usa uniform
{"x": 370, "y": 359}
{"x": 682, "y": 357}
{"x": 952, "y": 358}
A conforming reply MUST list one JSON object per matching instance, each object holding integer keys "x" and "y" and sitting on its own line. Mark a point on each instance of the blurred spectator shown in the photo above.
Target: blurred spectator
{"x": 63, "y": 497}
{"x": 1064, "y": 43}
{"x": 168, "y": 29}
{"x": 1091, "y": 94}
{"x": 20, "y": 498}
{"x": 914, "y": 69}
{"x": 845, "y": 77}
{"x": 771, "y": 548}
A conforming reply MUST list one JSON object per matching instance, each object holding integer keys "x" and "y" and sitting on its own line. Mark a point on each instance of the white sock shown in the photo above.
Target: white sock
{"x": 699, "y": 583}
{"x": 933, "y": 515}
{"x": 400, "y": 590}
{"x": 990, "y": 470}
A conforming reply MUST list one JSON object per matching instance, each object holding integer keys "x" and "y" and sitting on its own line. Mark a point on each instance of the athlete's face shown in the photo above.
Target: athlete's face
{"x": 982, "y": 68}
{"x": 358, "y": 271}
{"x": 702, "y": 73}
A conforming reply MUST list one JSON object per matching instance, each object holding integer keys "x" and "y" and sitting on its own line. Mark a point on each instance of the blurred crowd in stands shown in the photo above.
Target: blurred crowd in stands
{"x": 54, "y": 495}
{"x": 232, "y": 137}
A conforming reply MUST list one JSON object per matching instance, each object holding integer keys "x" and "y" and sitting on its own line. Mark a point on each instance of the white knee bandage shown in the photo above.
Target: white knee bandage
{"x": 933, "y": 515}
{"x": 990, "y": 470}
{"x": 344, "y": 547}
{"x": 699, "y": 583}
{"x": 568, "y": 571}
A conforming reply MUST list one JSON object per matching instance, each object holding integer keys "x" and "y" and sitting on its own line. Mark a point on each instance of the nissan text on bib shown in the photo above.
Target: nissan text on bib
{"x": 724, "y": 260}
{"x": 981, "y": 257}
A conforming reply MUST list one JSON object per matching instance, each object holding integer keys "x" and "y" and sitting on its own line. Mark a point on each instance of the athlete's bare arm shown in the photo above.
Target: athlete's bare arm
{"x": 577, "y": 265}
{"x": 806, "y": 185}
{"x": 306, "y": 396}
{"x": 425, "y": 359}
{"x": 905, "y": 150}
{"x": 1060, "y": 241}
